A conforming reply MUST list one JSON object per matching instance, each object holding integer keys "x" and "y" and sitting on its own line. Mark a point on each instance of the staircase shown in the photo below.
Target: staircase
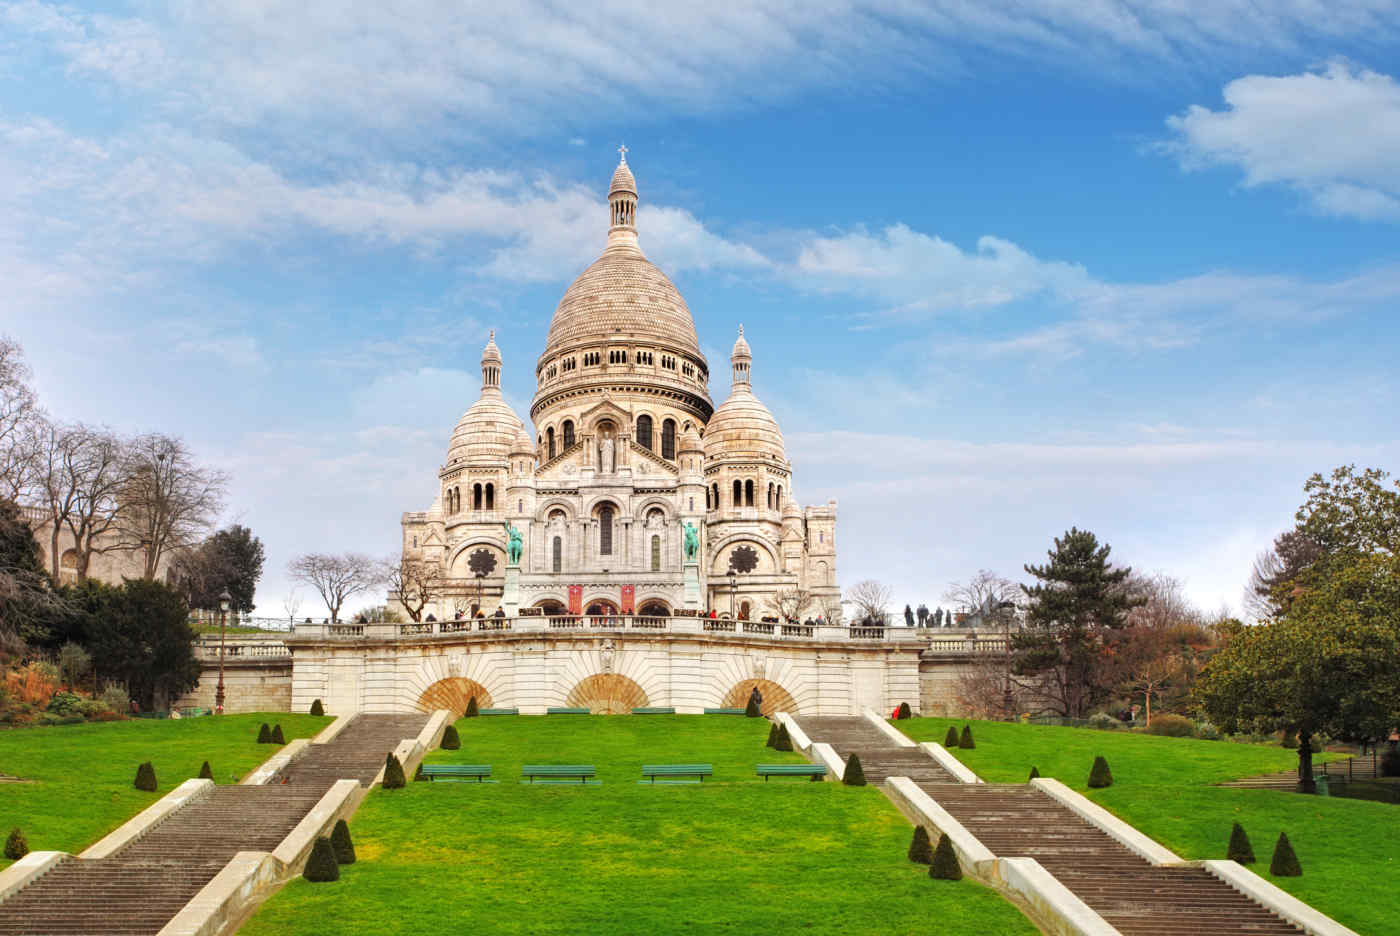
{"x": 1013, "y": 821}
{"x": 138, "y": 890}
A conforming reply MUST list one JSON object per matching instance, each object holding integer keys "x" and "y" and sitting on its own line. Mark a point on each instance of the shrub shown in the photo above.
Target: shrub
{"x": 752, "y": 709}
{"x": 1290, "y": 740}
{"x": 1390, "y": 763}
{"x": 950, "y": 740}
{"x": 340, "y": 842}
{"x": 15, "y": 846}
{"x": 205, "y": 773}
{"x": 393, "y": 773}
{"x": 277, "y": 735}
{"x": 904, "y": 712}
{"x": 1171, "y": 726}
{"x": 1285, "y": 862}
{"x": 472, "y": 710}
{"x": 418, "y": 775}
{"x": 1207, "y": 731}
{"x": 772, "y": 734}
{"x": 784, "y": 741}
{"x": 855, "y": 774}
{"x": 317, "y": 708}
{"x": 64, "y": 703}
{"x": 146, "y": 777}
{"x": 965, "y": 741}
{"x": 1103, "y": 721}
{"x": 921, "y": 849}
{"x": 1035, "y": 774}
{"x": 945, "y": 861}
{"x": 450, "y": 739}
{"x": 1099, "y": 775}
{"x": 1240, "y": 850}
{"x": 114, "y": 698}
{"x": 264, "y": 734}
{"x": 322, "y": 866}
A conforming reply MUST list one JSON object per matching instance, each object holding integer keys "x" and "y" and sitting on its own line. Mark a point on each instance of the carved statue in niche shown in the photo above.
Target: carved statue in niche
{"x": 607, "y": 457}
{"x": 607, "y": 655}
{"x": 760, "y": 666}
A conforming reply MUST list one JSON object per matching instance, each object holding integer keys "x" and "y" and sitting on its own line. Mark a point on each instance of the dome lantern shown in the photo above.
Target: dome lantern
{"x": 622, "y": 202}
{"x": 742, "y": 359}
{"x": 491, "y": 365}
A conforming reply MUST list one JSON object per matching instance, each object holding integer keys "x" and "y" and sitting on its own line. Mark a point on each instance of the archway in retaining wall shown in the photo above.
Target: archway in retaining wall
{"x": 607, "y": 694}
{"x": 453, "y": 694}
{"x": 775, "y": 697}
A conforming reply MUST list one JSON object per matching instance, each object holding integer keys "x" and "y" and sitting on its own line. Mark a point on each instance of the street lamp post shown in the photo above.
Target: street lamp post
{"x": 224, "y": 599}
{"x": 733, "y": 590}
{"x": 1008, "y": 698}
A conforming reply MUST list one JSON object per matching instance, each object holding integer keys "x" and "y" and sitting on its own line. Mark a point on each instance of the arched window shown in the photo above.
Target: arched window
{"x": 568, "y": 434}
{"x": 738, "y": 493}
{"x": 605, "y": 530}
{"x": 668, "y": 439}
{"x": 476, "y": 497}
{"x": 748, "y": 493}
{"x": 778, "y": 504}
{"x": 557, "y": 560}
{"x": 644, "y": 431}
{"x": 771, "y": 503}
{"x": 656, "y": 554}
{"x": 490, "y": 497}
{"x": 415, "y": 542}
{"x": 715, "y": 488}
{"x": 549, "y": 435}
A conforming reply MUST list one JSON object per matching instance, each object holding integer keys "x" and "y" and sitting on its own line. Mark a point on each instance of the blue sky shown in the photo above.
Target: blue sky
{"x": 1005, "y": 267}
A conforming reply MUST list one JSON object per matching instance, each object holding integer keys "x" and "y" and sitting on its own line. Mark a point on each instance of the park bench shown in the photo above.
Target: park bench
{"x": 568, "y": 710}
{"x": 458, "y": 773}
{"x": 558, "y": 773}
{"x": 671, "y": 771}
{"x": 815, "y": 771}
{"x": 499, "y": 711}
{"x": 724, "y": 711}
{"x": 654, "y": 710}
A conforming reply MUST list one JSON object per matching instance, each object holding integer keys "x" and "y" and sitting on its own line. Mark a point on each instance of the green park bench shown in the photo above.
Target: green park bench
{"x": 558, "y": 773}
{"x": 569, "y": 710}
{"x": 672, "y": 771}
{"x": 457, "y": 773}
{"x": 815, "y": 771}
{"x": 654, "y": 710}
{"x": 499, "y": 711}
{"x": 724, "y": 711}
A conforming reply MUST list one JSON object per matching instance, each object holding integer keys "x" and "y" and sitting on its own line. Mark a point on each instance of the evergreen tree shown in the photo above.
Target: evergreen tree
{"x": 139, "y": 632}
{"x": 205, "y": 773}
{"x": 1099, "y": 775}
{"x": 1240, "y": 850}
{"x": 772, "y": 734}
{"x": 146, "y": 777}
{"x": 921, "y": 849}
{"x": 16, "y": 847}
{"x": 784, "y": 740}
{"x": 1035, "y": 774}
{"x": 950, "y": 740}
{"x": 393, "y": 773}
{"x": 1285, "y": 862}
{"x": 1077, "y": 601}
{"x": 317, "y": 708}
{"x": 341, "y": 844}
{"x": 264, "y": 734}
{"x": 321, "y": 865}
{"x": 855, "y": 774}
{"x": 277, "y": 737}
{"x": 451, "y": 741}
{"x": 472, "y": 711}
{"x": 965, "y": 741}
{"x": 230, "y": 560}
{"x": 945, "y": 865}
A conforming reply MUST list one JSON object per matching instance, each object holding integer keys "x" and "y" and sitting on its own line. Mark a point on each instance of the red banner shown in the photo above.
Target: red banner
{"x": 575, "y": 599}
{"x": 629, "y": 598}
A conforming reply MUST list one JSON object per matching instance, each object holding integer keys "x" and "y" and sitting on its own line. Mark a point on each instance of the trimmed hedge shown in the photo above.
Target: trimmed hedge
{"x": 341, "y": 844}
{"x": 16, "y": 847}
{"x": 1285, "y": 861}
{"x": 418, "y": 776}
{"x": 903, "y": 712}
{"x": 965, "y": 742}
{"x": 205, "y": 772}
{"x": 1035, "y": 773}
{"x": 277, "y": 737}
{"x": 1240, "y": 850}
{"x": 772, "y": 734}
{"x": 921, "y": 849}
{"x": 317, "y": 708}
{"x": 752, "y": 709}
{"x": 1099, "y": 775}
{"x": 472, "y": 709}
{"x": 855, "y": 774}
{"x": 451, "y": 741}
{"x": 393, "y": 773}
{"x": 264, "y": 734}
{"x": 950, "y": 740}
{"x": 322, "y": 866}
{"x": 146, "y": 777}
{"x": 784, "y": 741}
{"x": 945, "y": 865}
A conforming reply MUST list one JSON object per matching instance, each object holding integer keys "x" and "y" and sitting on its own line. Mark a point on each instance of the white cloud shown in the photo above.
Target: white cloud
{"x": 1333, "y": 135}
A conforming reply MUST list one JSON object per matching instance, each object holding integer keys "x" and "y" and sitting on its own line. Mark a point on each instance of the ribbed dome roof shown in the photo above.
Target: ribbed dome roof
{"x": 622, "y": 180}
{"x": 623, "y": 295}
{"x": 742, "y": 426}
{"x": 485, "y": 434}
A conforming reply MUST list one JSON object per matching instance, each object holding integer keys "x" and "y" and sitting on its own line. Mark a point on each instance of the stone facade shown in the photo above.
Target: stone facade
{"x": 110, "y": 564}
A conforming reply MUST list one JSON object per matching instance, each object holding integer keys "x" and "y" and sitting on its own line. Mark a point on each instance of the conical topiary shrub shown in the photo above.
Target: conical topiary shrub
{"x": 322, "y": 866}
{"x": 904, "y": 712}
{"x": 855, "y": 774}
{"x": 317, "y": 708}
{"x": 418, "y": 775}
{"x": 784, "y": 741}
{"x": 753, "y": 709}
{"x": 950, "y": 740}
{"x": 15, "y": 846}
{"x": 921, "y": 849}
{"x": 1099, "y": 775}
{"x": 966, "y": 740}
{"x": 393, "y": 773}
{"x": 472, "y": 709}
{"x": 205, "y": 772}
{"x": 772, "y": 734}
{"x": 1240, "y": 850}
{"x": 277, "y": 737}
{"x": 1035, "y": 773}
{"x": 945, "y": 865}
{"x": 340, "y": 842}
{"x": 146, "y": 777}
{"x": 450, "y": 739}
{"x": 1285, "y": 862}
{"x": 264, "y": 734}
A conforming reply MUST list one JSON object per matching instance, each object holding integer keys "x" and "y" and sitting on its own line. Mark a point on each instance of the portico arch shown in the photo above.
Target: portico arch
{"x": 607, "y": 694}
{"x": 775, "y": 697}
{"x": 453, "y": 694}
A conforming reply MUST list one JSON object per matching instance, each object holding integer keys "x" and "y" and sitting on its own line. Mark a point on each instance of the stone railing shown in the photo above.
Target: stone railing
{"x": 241, "y": 648}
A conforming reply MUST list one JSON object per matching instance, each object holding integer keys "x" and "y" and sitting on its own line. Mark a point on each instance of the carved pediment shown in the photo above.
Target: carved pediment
{"x": 604, "y": 409}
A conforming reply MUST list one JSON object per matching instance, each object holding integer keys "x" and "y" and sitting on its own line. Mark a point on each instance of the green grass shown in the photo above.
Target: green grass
{"x": 82, "y": 774}
{"x": 734, "y": 854}
{"x": 1349, "y": 849}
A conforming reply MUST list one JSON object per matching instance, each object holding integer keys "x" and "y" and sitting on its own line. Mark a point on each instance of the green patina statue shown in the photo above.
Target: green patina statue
{"x": 692, "y": 542}
{"x": 516, "y": 546}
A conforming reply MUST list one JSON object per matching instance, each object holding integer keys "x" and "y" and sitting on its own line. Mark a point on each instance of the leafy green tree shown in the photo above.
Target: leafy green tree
{"x": 230, "y": 559}
{"x": 31, "y": 611}
{"x": 1077, "y": 600}
{"x": 141, "y": 636}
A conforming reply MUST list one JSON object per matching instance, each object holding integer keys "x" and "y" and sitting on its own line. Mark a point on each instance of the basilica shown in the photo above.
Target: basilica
{"x": 634, "y": 494}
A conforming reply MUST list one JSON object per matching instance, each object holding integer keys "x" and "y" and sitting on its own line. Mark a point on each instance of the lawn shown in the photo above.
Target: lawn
{"x": 1349, "y": 849}
{"x": 82, "y": 774}
{"x": 734, "y": 854}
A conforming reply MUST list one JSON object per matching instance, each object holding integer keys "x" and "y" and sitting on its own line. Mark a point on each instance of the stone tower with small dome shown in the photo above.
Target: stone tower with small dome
{"x": 627, "y": 451}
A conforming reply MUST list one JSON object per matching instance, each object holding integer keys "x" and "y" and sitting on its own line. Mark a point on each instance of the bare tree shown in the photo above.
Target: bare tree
{"x": 988, "y": 686}
{"x": 871, "y": 599}
{"x": 986, "y": 598}
{"x": 413, "y": 582}
{"x": 792, "y": 603}
{"x": 58, "y": 450}
{"x": 336, "y": 578}
{"x": 169, "y": 502}
{"x": 19, "y": 423}
{"x": 96, "y": 473}
{"x": 292, "y": 604}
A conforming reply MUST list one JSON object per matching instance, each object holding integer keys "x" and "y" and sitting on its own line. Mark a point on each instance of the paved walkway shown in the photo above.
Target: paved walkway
{"x": 139, "y": 889}
{"x": 1018, "y": 820}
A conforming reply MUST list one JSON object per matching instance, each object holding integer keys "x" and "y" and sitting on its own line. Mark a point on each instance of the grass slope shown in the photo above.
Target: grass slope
{"x": 83, "y": 774}
{"x": 734, "y": 854}
{"x": 1349, "y": 849}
